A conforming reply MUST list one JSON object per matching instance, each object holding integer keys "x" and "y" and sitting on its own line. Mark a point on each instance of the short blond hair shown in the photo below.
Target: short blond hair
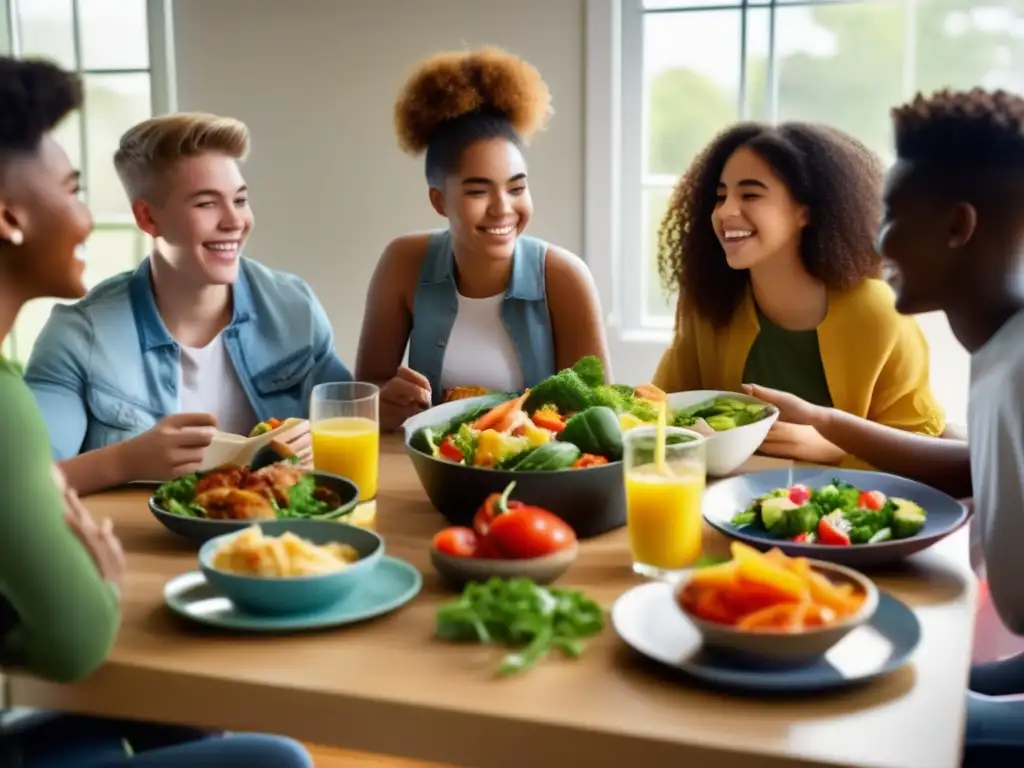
{"x": 149, "y": 149}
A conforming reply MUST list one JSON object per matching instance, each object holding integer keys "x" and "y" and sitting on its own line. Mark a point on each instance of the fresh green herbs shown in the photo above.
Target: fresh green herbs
{"x": 519, "y": 614}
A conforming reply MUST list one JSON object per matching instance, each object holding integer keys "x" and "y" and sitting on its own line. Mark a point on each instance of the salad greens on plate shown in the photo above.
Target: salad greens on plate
{"x": 837, "y": 514}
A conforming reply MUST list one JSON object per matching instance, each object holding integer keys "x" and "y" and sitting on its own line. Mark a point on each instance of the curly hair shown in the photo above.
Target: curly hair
{"x": 454, "y": 99}
{"x": 834, "y": 175}
{"x": 955, "y": 131}
{"x": 35, "y": 96}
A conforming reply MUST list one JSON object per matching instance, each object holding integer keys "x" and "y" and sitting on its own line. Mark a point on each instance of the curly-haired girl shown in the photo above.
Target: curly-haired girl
{"x": 769, "y": 239}
{"x": 479, "y": 303}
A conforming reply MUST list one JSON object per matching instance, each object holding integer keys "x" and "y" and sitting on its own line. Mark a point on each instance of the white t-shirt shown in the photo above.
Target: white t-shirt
{"x": 209, "y": 384}
{"x": 995, "y": 422}
{"x": 480, "y": 352}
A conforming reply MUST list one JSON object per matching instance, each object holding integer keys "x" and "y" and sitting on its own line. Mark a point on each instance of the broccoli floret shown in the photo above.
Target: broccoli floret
{"x": 644, "y": 410}
{"x": 590, "y": 370}
{"x": 611, "y": 397}
{"x": 565, "y": 390}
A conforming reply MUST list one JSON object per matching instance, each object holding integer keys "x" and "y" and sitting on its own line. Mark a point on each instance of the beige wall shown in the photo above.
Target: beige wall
{"x": 316, "y": 81}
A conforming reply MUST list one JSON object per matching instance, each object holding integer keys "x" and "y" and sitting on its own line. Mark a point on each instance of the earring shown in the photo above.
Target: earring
{"x": 17, "y": 237}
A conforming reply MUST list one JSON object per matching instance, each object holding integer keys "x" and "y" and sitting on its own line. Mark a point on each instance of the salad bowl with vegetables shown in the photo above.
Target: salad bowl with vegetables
{"x": 561, "y": 441}
{"x": 852, "y": 517}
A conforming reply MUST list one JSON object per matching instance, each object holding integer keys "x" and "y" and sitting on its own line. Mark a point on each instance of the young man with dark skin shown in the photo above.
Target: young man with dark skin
{"x": 953, "y": 225}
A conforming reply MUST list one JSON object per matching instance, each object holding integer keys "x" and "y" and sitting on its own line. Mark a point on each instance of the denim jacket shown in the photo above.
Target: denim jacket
{"x": 524, "y": 311}
{"x": 106, "y": 369}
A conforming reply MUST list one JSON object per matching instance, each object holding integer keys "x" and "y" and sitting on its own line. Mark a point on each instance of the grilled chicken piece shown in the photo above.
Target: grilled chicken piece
{"x": 226, "y": 477}
{"x": 235, "y": 504}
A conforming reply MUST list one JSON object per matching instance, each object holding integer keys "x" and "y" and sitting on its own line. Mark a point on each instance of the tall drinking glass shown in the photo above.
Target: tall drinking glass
{"x": 344, "y": 420}
{"x": 663, "y": 503}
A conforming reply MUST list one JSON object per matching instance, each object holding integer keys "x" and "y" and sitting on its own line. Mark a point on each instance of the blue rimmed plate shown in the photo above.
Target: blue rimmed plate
{"x": 648, "y": 620}
{"x": 727, "y": 498}
{"x": 393, "y": 583}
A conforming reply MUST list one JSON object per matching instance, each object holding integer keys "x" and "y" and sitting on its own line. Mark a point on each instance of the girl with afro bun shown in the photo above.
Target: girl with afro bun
{"x": 479, "y": 304}
{"x": 769, "y": 238}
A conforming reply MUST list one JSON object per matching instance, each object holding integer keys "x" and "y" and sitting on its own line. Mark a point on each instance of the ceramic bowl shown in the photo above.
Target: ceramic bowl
{"x": 297, "y": 594}
{"x": 200, "y": 529}
{"x": 592, "y": 501}
{"x": 785, "y": 649}
{"x": 457, "y": 571}
{"x": 728, "y": 450}
{"x": 724, "y": 500}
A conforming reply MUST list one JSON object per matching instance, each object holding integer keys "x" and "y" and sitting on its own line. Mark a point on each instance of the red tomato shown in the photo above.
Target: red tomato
{"x": 800, "y": 494}
{"x": 801, "y": 538}
{"x": 871, "y": 500}
{"x": 457, "y": 541}
{"x": 831, "y": 532}
{"x": 451, "y": 451}
{"x": 527, "y": 532}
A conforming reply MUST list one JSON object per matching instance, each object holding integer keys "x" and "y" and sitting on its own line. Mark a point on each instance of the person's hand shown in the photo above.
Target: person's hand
{"x": 405, "y": 395}
{"x": 800, "y": 442}
{"x": 99, "y": 539}
{"x": 298, "y": 441}
{"x": 172, "y": 448}
{"x": 792, "y": 409}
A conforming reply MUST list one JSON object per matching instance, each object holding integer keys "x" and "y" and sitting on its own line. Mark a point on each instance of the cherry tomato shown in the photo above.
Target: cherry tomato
{"x": 451, "y": 451}
{"x": 871, "y": 500}
{"x": 457, "y": 541}
{"x": 527, "y": 532}
{"x": 831, "y": 531}
{"x": 800, "y": 494}
{"x": 801, "y": 538}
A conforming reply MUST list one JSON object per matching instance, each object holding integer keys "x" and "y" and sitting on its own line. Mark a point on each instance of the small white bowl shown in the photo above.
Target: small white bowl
{"x": 457, "y": 571}
{"x": 785, "y": 649}
{"x": 726, "y": 451}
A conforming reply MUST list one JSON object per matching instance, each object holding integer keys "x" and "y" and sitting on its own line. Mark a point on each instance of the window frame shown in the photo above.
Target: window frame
{"x": 163, "y": 93}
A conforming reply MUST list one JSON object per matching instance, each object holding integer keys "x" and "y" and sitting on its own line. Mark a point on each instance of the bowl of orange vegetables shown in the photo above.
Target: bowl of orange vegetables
{"x": 769, "y": 608}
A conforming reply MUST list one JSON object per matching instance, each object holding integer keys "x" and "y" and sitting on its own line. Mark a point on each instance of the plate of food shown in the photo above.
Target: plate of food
{"x": 562, "y": 442}
{"x": 203, "y": 505}
{"x": 853, "y": 517}
{"x": 768, "y": 622}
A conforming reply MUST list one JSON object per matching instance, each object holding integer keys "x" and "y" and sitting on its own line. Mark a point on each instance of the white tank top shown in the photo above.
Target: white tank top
{"x": 479, "y": 351}
{"x": 210, "y": 384}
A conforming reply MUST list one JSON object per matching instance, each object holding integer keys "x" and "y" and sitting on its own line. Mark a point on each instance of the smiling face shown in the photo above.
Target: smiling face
{"x": 922, "y": 238}
{"x": 755, "y": 216}
{"x": 202, "y": 220}
{"x": 487, "y": 201}
{"x": 41, "y": 199}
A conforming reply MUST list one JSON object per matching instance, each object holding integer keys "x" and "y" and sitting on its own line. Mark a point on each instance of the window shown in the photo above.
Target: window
{"x": 122, "y": 52}
{"x": 665, "y": 75}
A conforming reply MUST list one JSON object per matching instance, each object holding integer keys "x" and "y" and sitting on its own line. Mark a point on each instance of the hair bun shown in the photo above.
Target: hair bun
{"x": 451, "y": 84}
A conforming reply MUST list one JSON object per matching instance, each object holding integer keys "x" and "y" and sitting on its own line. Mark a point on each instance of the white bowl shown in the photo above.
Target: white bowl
{"x": 726, "y": 451}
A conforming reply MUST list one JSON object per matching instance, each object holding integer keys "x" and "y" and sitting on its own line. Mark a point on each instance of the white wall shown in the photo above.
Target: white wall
{"x": 316, "y": 81}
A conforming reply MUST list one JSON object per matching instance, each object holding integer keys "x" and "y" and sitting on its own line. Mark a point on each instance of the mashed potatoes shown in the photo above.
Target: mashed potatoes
{"x": 251, "y": 553}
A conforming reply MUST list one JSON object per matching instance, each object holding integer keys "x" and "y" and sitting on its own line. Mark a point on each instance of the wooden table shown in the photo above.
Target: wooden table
{"x": 388, "y": 687}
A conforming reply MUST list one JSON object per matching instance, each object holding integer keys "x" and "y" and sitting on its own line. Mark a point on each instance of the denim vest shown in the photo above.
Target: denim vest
{"x": 106, "y": 369}
{"x": 524, "y": 311}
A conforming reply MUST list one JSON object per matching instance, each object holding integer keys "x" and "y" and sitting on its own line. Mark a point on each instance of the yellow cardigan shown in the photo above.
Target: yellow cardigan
{"x": 875, "y": 360}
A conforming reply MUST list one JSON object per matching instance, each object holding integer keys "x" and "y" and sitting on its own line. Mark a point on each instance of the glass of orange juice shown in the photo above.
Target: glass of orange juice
{"x": 344, "y": 420}
{"x": 664, "y": 521}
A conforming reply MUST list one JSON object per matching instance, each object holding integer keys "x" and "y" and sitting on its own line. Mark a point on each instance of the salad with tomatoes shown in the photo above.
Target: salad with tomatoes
{"x": 838, "y": 514}
{"x": 571, "y": 420}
